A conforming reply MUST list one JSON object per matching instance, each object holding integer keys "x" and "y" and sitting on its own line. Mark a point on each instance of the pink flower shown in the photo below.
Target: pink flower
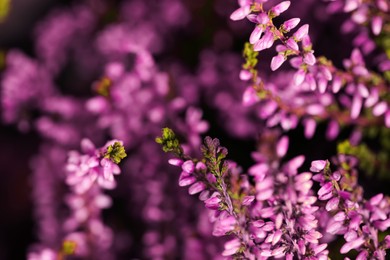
{"x": 317, "y": 166}
{"x": 249, "y": 97}
{"x": 352, "y": 245}
{"x": 266, "y": 42}
{"x": 282, "y": 146}
{"x": 280, "y": 8}
{"x": 231, "y": 247}
{"x": 212, "y": 202}
{"x": 196, "y": 188}
{"x": 299, "y": 77}
{"x": 245, "y": 75}
{"x": 376, "y": 25}
{"x": 357, "y": 103}
{"x": 301, "y": 32}
{"x": 277, "y": 61}
{"x": 44, "y": 254}
{"x": 310, "y": 127}
{"x": 224, "y": 224}
{"x": 380, "y": 108}
{"x": 333, "y": 130}
{"x": 256, "y": 34}
{"x": 290, "y": 24}
{"x": 240, "y": 13}
{"x": 84, "y": 170}
{"x": 351, "y": 5}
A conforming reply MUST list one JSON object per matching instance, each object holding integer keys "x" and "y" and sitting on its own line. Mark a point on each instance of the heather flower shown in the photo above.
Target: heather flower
{"x": 280, "y": 8}
{"x": 352, "y": 216}
{"x": 24, "y": 86}
{"x": 44, "y": 254}
{"x": 56, "y": 33}
{"x": 46, "y": 178}
{"x": 272, "y": 221}
{"x": 243, "y": 11}
{"x": 277, "y": 61}
{"x": 290, "y": 24}
{"x": 94, "y": 166}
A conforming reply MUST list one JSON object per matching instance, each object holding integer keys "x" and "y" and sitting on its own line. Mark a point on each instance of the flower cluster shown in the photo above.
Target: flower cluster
{"x": 84, "y": 233}
{"x": 274, "y": 217}
{"x": 358, "y": 83}
{"x": 357, "y": 219}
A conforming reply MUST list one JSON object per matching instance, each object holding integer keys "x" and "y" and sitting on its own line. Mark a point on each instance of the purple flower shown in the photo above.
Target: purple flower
{"x": 44, "y": 254}
{"x": 213, "y": 202}
{"x": 277, "y": 61}
{"x": 280, "y": 8}
{"x": 240, "y": 13}
{"x": 249, "y": 97}
{"x": 290, "y": 24}
{"x": 223, "y": 224}
{"x": 352, "y": 245}
{"x": 301, "y": 32}
{"x": 90, "y": 167}
{"x": 256, "y": 34}
{"x": 317, "y": 166}
{"x": 231, "y": 247}
{"x": 265, "y": 42}
{"x": 376, "y": 25}
{"x": 282, "y": 146}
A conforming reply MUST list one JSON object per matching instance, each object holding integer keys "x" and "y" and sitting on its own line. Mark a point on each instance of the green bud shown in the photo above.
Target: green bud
{"x": 115, "y": 152}
{"x": 4, "y": 9}
{"x": 169, "y": 141}
{"x": 68, "y": 247}
{"x": 103, "y": 86}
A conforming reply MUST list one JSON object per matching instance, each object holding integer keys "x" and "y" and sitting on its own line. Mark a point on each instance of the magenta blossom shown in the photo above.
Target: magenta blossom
{"x": 91, "y": 167}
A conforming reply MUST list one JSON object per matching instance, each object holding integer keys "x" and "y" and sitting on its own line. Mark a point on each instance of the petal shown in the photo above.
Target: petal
{"x": 290, "y": 24}
{"x": 317, "y": 166}
{"x": 256, "y": 34}
{"x": 376, "y": 25}
{"x": 280, "y": 8}
{"x": 277, "y": 61}
{"x": 265, "y": 43}
{"x": 188, "y": 166}
{"x": 332, "y": 204}
{"x": 240, "y": 13}
{"x": 282, "y": 146}
{"x": 299, "y": 77}
{"x": 379, "y": 109}
{"x": 352, "y": 245}
{"x": 301, "y": 32}
{"x": 356, "y": 106}
{"x": 196, "y": 188}
{"x": 186, "y": 181}
{"x": 249, "y": 97}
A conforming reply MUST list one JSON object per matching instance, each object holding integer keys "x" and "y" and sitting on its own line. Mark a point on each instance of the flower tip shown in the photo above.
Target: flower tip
{"x": 277, "y": 61}
{"x": 175, "y": 162}
{"x": 318, "y": 165}
{"x": 376, "y": 25}
{"x": 280, "y": 8}
{"x": 240, "y": 13}
{"x": 249, "y": 97}
{"x": 282, "y": 146}
{"x": 245, "y": 75}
